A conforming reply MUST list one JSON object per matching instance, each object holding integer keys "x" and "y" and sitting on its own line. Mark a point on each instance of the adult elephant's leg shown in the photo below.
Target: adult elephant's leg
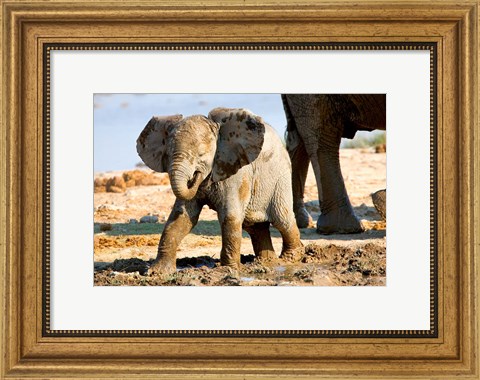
{"x": 337, "y": 214}
{"x": 311, "y": 149}
{"x": 300, "y": 162}
{"x": 309, "y": 135}
{"x": 261, "y": 240}
{"x": 182, "y": 219}
{"x": 303, "y": 119}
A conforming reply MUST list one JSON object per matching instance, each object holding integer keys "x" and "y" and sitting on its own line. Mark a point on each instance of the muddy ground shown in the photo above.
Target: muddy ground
{"x": 123, "y": 247}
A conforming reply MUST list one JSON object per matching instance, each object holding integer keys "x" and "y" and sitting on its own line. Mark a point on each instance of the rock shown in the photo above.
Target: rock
{"x": 116, "y": 185}
{"x": 105, "y": 207}
{"x": 133, "y": 221}
{"x": 379, "y": 199}
{"x": 381, "y": 148}
{"x": 162, "y": 217}
{"x": 149, "y": 219}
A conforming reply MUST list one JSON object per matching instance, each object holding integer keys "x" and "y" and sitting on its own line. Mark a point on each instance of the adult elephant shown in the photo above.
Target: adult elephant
{"x": 315, "y": 125}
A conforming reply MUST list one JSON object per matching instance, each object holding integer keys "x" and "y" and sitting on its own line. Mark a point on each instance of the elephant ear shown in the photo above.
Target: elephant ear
{"x": 240, "y": 140}
{"x": 152, "y": 142}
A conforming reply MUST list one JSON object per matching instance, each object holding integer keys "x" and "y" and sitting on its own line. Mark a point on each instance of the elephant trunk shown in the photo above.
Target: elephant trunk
{"x": 184, "y": 187}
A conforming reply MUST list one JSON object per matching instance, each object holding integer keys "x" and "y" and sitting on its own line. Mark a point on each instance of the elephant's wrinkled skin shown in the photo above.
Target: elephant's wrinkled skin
{"x": 315, "y": 125}
{"x": 233, "y": 162}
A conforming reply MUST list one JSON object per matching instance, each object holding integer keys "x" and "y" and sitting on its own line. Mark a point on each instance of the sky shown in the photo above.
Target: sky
{"x": 119, "y": 119}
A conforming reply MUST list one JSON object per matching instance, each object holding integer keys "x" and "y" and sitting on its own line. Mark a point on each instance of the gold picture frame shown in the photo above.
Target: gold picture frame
{"x": 31, "y": 27}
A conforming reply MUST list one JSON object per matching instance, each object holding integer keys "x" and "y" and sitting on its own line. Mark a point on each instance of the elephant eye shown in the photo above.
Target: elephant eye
{"x": 202, "y": 150}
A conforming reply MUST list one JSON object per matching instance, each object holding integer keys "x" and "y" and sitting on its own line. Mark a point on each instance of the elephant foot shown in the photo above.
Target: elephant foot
{"x": 339, "y": 221}
{"x": 302, "y": 217}
{"x": 379, "y": 200}
{"x": 230, "y": 261}
{"x": 292, "y": 248}
{"x": 162, "y": 267}
{"x": 293, "y": 255}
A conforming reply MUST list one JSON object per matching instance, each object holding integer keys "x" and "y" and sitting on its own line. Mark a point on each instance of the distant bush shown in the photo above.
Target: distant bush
{"x": 129, "y": 178}
{"x": 116, "y": 185}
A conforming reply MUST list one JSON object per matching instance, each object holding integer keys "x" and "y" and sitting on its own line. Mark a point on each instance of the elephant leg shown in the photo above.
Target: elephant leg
{"x": 300, "y": 161}
{"x": 262, "y": 241}
{"x": 292, "y": 247}
{"x": 231, "y": 241}
{"x": 337, "y": 213}
{"x": 182, "y": 219}
{"x": 311, "y": 149}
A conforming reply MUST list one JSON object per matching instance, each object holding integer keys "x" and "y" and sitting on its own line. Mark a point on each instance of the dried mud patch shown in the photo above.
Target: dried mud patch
{"x": 329, "y": 265}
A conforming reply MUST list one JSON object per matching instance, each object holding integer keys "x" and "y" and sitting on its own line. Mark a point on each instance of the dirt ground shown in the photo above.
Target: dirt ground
{"x": 124, "y": 247}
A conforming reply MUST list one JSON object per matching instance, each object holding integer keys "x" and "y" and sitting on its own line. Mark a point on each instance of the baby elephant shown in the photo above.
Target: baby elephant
{"x": 233, "y": 162}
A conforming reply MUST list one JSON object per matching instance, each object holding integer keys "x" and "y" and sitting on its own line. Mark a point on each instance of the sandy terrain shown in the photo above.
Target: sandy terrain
{"x": 123, "y": 249}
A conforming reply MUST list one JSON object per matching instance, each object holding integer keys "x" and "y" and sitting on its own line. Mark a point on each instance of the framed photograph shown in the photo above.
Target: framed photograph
{"x": 199, "y": 189}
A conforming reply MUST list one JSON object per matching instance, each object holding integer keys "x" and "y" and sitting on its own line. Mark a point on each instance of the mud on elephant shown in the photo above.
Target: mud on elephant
{"x": 315, "y": 125}
{"x": 233, "y": 162}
